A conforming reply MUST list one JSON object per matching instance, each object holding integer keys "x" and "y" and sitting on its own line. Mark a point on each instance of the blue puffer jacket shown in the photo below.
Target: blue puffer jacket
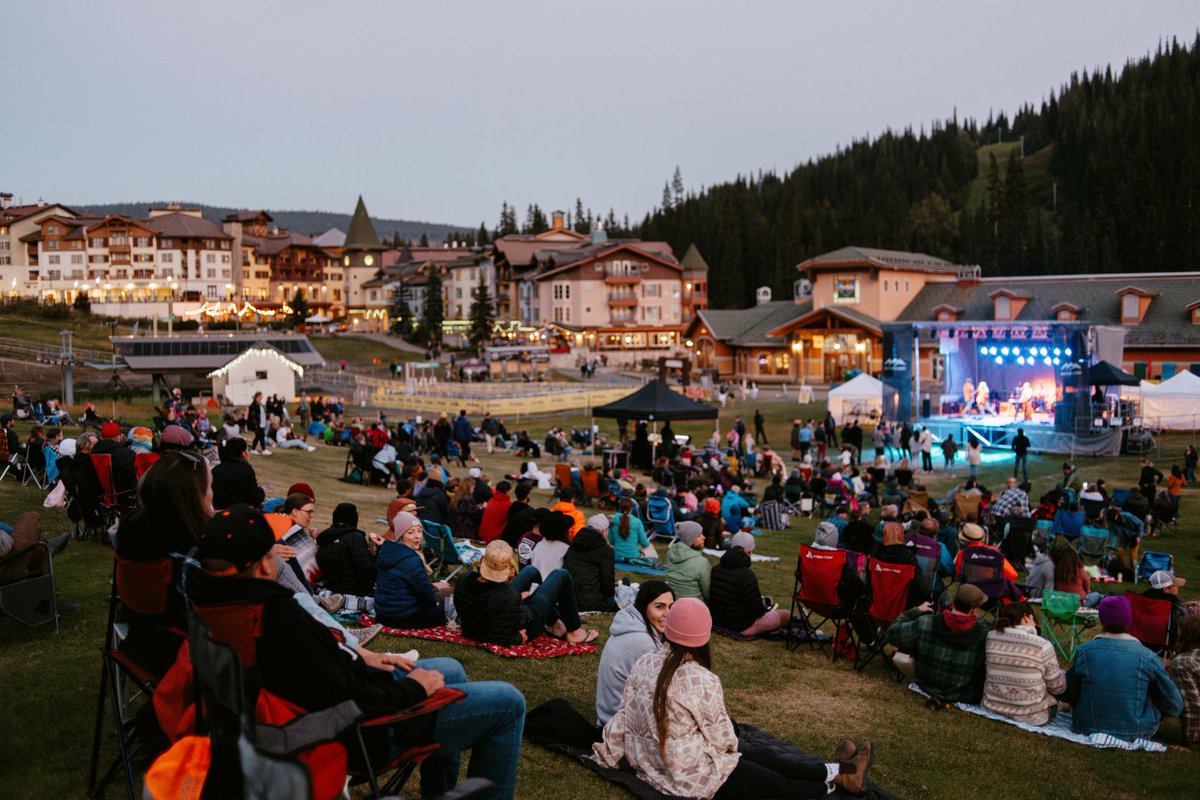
{"x": 1117, "y": 686}
{"x": 403, "y": 592}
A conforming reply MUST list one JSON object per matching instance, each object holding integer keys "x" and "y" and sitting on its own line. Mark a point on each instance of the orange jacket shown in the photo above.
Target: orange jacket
{"x": 574, "y": 513}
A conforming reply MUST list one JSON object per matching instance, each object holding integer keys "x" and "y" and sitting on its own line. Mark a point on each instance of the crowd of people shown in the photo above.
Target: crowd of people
{"x": 659, "y": 701}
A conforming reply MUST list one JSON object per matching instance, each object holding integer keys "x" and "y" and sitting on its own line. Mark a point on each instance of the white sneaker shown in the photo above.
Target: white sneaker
{"x": 265, "y": 453}
{"x": 411, "y": 655}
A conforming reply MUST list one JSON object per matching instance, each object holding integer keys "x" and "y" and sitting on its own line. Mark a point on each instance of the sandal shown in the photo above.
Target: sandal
{"x": 591, "y": 636}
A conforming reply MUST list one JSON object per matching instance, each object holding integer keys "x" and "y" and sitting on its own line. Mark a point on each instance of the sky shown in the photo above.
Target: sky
{"x": 441, "y": 111}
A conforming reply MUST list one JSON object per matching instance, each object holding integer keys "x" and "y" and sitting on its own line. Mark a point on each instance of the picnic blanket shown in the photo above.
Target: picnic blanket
{"x": 641, "y": 569}
{"x": 558, "y": 727}
{"x": 468, "y": 553}
{"x": 1060, "y": 728}
{"x": 541, "y": 647}
{"x": 753, "y": 556}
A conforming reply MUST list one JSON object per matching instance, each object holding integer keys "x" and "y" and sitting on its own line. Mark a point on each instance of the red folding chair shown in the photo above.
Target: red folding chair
{"x": 590, "y": 478}
{"x": 815, "y": 594}
{"x": 1151, "y": 622}
{"x": 143, "y": 462}
{"x": 562, "y": 476}
{"x": 889, "y": 597}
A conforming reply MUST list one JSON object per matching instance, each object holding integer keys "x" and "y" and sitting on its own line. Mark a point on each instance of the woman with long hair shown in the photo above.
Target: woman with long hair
{"x": 673, "y": 730}
{"x": 636, "y": 630}
{"x": 465, "y": 513}
{"x": 626, "y": 532}
{"x": 1023, "y": 674}
{"x": 1070, "y": 576}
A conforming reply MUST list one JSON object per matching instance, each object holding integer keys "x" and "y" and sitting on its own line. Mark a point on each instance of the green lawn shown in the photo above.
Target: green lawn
{"x": 51, "y": 681}
{"x": 91, "y": 332}
{"x": 361, "y": 354}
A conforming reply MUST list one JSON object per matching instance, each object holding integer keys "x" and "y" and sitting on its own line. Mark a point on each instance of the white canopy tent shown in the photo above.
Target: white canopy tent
{"x": 1173, "y": 403}
{"x": 857, "y": 398}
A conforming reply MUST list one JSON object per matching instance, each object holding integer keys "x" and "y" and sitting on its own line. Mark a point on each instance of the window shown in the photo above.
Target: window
{"x": 906, "y": 286}
{"x": 212, "y": 292}
{"x": 562, "y": 291}
{"x": 1130, "y": 307}
{"x": 225, "y": 258}
{"x": 458, "y": 293}
{"x": 337, "y": 295}
{"x": 260, "y": 375}
{"x": 210, "y": 258}
{"x": 52, "y": 244}
{"x": 845, "y": 289}
{"x": 5, "y": 260}
{"x": 52, "y": 260}
{"x": 651, "y": 313}
{"x": 52, "y": 229}
{"x": 1003, "y": 309}
{"x": 53, "y": 274}
{"x": 142, "y": 241}
{"x": 211, "y": 274}
{"x": 166, "y": 258}
{"x": 651, "y": 290}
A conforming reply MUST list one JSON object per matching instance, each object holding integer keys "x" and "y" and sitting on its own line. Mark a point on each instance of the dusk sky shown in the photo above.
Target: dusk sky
{"x": 442, "y": 110}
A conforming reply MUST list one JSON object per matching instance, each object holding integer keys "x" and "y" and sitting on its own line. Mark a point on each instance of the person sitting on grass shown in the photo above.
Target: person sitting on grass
{"x": 233, "y": 480}
{"x": 735, "y": 600}
{"x": 519, "y": 520}
{"x": 591, "y": 563}
{"x": 548, "y": 553}
{"x": 1116, "y": 685}
{"x": 627, "y": 533}
{"x": 1023, "y": 674}
{"x": 465, "y": 513}
{"x": 496, "y": 608}
{"x": 673, "y": 730}
{"x": 688, "y": 569}
{"x": 1184, "y": 670}
{"x": 238, "y": 567}
{"x": 404, "y": 595}
{"x": 344, "y": 554}
{"x": 566, "y": 505}
{"x": 972, "y": 535}
{"x": 1070, "y": 576}
{"x": 495, "y": 513}
{"x": 894, "y": 550}
{"x": 636, "y": 630}
{"x": 943, "y": 650}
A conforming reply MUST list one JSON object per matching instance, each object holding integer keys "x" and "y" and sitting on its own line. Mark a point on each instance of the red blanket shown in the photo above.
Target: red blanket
{"x": 541, "y": 647}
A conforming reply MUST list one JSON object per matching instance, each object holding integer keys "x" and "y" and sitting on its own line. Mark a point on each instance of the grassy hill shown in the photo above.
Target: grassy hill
{"x": 306, "y": 222}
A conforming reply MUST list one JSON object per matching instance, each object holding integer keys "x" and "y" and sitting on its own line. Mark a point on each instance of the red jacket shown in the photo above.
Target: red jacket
{"x": 495, "y": 517}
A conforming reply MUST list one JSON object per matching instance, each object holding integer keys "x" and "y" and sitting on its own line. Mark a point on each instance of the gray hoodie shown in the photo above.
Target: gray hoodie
{"x": 1041, "y": 575}
{"x": 628, "y": 640}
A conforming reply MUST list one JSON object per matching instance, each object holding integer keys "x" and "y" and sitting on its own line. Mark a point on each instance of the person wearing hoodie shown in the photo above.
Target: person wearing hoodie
{"x": 635, "y": 631}
{"x": 519, "y": 515}
{"x": 590, "y": 561}
{"x": 688, "y": 570}
{"x": 404, "y": 595}
{"x": 1041, "y": 571}
{"x": 735, "y": 599}
{"x": 432, "y": 501}
{"x": 944, "y": 651}
{"x": 627, "y": 533}
{"x": 495, "y": 513}
{"x": 344, "y": 555}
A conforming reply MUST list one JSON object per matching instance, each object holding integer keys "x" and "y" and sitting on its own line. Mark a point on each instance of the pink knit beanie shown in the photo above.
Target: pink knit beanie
{"x": 689, "y": 623}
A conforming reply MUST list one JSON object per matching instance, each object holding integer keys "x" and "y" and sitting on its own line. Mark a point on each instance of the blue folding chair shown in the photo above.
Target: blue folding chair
{"x": 1151, "y": 562}
{"x": 440, "y": 539}
{"x": 1094, "y": 543}
{"x": 660, "y": 515}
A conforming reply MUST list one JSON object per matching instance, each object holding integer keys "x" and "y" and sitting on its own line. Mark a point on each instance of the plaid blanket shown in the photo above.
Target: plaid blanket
{"x": 1060, "y": 728}
{"x": 541, "y": 647}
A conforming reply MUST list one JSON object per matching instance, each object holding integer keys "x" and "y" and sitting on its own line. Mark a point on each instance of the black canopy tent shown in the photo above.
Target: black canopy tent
{"x": 655, "y": 401}
{"x": 1105, "y": 374}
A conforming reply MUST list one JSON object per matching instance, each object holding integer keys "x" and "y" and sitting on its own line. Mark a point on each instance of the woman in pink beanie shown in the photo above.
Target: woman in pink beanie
{"x": 673, "y": 729}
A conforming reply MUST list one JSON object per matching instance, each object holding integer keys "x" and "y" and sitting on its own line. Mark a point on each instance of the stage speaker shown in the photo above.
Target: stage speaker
{"x": 925, "y": 405}
{"x": 1064, "y": 414}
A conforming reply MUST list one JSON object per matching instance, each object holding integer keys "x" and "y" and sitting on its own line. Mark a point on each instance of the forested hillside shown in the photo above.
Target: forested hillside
{"x": 306, "y": 222}
{"x": 1109, "y": 182}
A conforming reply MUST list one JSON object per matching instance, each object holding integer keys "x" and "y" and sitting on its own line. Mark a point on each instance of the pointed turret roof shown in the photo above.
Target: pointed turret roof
{"x": 361, "y": 235}
{"x": 693, "y": 261}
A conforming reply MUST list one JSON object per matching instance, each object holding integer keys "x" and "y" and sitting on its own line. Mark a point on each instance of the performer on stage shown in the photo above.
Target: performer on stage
{"x": 982, "y": 394}
{"x": 1025, "y": 401}
{"x": 968, "y": 395}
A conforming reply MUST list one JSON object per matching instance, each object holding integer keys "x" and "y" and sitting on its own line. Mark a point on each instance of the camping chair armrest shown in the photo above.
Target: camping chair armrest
{"x": 26, "y": 550}
{"x": 439, "y": 699}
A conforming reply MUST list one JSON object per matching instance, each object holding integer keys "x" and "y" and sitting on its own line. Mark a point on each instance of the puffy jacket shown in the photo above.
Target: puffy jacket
{"x": 631, "y": 547}
{"x": 488, "y": 611}
{"x": 234, "y": 482}
{"x": 345, "y": 560}
{"x": 734, "y": 598}
{"x": 462, "y": 429}
{"x": 404, "y": 597}
{"x": 1119, "y": 687}
{"x": 629, "y": 638}
{"x": 519, "y": 522}
{"x": 1041, "y": 575}
{"x": 590, "y": 562}
{"x": 733, "y": 508}
{"x": 688, "y": 571}
{"x": 495, "y": 517}
{"x": 434, "y": 504}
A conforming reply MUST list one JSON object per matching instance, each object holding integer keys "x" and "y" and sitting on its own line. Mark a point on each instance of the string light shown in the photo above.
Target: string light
{"x": 255, "y": 351}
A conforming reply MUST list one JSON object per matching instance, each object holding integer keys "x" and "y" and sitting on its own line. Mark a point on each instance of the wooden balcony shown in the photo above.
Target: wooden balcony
{"x": 623, "y": 301}
{"x": 623, "y": 280}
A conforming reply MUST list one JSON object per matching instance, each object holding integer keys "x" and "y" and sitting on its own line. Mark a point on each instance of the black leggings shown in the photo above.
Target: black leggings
{"x": 259, "y": 439}
{"x": 760, "y": 775}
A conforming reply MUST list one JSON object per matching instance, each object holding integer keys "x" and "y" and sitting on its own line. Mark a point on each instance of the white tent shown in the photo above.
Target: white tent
{"x": 857, "y": 397}
{"x": 1173, "y": 403}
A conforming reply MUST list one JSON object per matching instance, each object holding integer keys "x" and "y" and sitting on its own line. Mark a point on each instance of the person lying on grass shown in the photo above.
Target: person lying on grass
{"x": 672, "y": 728}
{"x": 494, "y": 607}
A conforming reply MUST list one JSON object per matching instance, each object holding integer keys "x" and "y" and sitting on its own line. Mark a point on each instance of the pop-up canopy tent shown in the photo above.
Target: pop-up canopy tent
{"x": 653, "y": 402}
{"x": 1173, "y": 403}
{"x": 858, "y": 396}
{"x": 1103, "y": 373}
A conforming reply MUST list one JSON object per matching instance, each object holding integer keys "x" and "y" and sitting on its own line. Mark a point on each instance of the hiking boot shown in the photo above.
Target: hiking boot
{"x": 845, "y": 751}
{"x": 332, "y": 603}
{"x": 853, "y": 782}
{"x": 365, "y": 635}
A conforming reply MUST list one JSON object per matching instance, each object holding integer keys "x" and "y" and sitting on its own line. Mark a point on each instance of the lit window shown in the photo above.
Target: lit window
{"x": 1130, "y": 307}
{"x": 1003, "y": 308}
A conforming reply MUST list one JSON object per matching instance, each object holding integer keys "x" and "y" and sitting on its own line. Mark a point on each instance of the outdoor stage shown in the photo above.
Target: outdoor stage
{"x": 997, "y": 432}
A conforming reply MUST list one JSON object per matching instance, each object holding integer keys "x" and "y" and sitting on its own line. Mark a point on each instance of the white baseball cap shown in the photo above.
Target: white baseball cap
{"x": 1163, "y": 579}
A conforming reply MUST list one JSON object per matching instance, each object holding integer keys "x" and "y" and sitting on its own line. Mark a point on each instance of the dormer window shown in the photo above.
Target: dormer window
{"x": 1007, "y": 305}
{"x": 1003, "y": 307}
{"x": 1065, "y": 312}
{"x": 1135, "y": 303}
{"x": 946, "y": 313}
{"x": 1194, "y": 312}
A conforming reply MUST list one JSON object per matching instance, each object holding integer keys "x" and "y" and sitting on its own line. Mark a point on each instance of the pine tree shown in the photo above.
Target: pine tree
{"x": 581, "y": 221}
{"x": 508, "y": 221}
{"x": 400, "y": 313}
{"x": 481, "y": 236}
{"x": 483, "y": 316}
{"x": 677, "y": 186}
{"x": 433, "y": 312}
{"x": 299, "y": 306}
{"x": 666, "y": 198}
{"x": 424, "y": 242}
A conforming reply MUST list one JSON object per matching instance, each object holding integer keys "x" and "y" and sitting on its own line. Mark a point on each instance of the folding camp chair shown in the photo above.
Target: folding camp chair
{"x": 660, "y": 516}
{"x": 1016, "y": 540}
{"x": 1094, "y": 543}
{"x": 1152, "y": 561}
{"x": 113, "y": 501}
{"x": 929, "y": 555}
{"x": 806, "y": 505}
{"x": 1151, "y": 622}
{"x": 918, "y": 500}
{"x": 35, "y": 467}
{"x": 983, "y": 567}
{"x": 143, "y": 462}
{"x": 772, "y": 516}
{"x": 1093, "y": 510}
{"x": 815, "y": 596}
{"x": 966, "y": 506}
{"x": 440, "y": 539}
{"x": 1061, "y": 623}
{"x": 889, "y": 597}
{"x": 590, "y": 478}
{"x": 563, "y": 478}
{"x": 27, "y": 595}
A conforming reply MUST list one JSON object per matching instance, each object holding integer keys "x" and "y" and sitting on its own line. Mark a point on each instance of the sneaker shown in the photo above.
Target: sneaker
{"x": 332, "y": 603}
{"x": 59, "y": 543}
{"x": 853, "y": 782}
{"x": 411, "y": 655}
{"x": 365, "y": 635}
{"x": 265, "y": 452}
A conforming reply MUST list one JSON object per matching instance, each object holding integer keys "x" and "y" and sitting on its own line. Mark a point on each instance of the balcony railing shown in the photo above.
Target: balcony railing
{"x": 623, "y": 280}
{"x": 623, "y": 301}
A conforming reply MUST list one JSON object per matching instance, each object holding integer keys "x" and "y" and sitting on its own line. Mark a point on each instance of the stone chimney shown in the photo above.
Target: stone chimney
{"x": 6, "y": 199}
{"x": 599, "y": 235}
{"x": 969, "y": 275}
{"x": 557, "y": 221}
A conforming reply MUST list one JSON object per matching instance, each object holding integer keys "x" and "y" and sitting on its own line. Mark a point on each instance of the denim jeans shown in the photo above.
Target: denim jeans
{"x": 553, "y": 600}
{"x": 1022, "y": 462}
{"x": 489, "y": 722}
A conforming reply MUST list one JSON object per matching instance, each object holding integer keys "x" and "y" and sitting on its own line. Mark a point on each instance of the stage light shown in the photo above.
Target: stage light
{"x": 1046, "y": 361}
{"x": 1067, "y": 351}
{"x": 1033, "y": 351}
{"x": 1045, "y": 352}
{"x": 1057, "y": 361}
{"x": 1021, "y": 360}
{"x": 1057, "y": 352}
{"x": 1004, "y": 351}
{"x": 999, "y": 360}
{"x": 983, "y": 351}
